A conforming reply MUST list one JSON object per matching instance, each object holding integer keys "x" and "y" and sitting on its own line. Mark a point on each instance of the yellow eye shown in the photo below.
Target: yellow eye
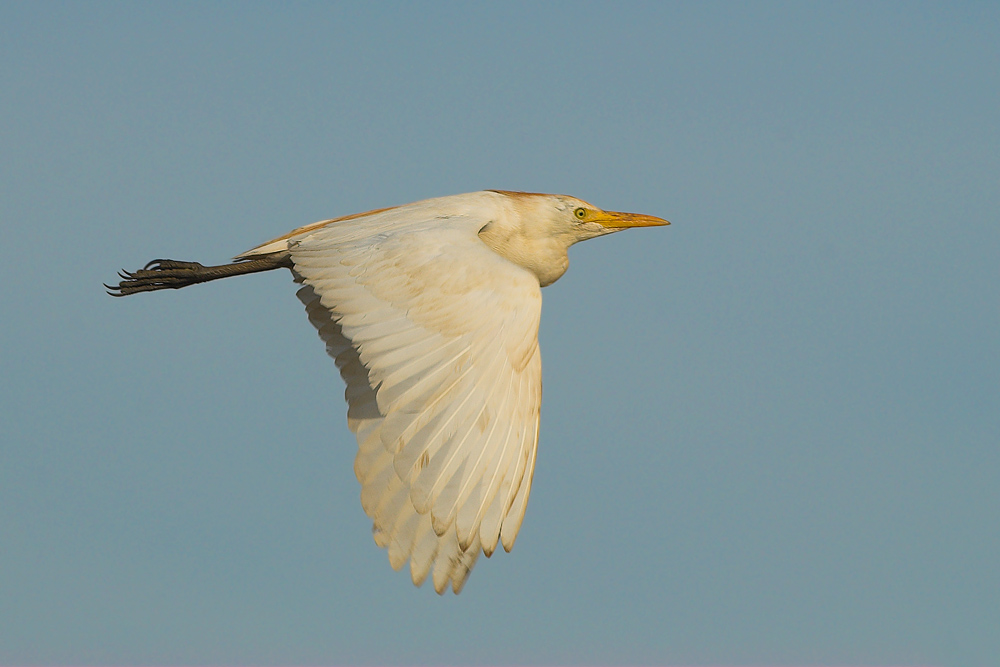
{"x": 580, "y": 213}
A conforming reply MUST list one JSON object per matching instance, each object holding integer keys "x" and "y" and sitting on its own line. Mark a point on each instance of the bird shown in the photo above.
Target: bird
{"x": 431, "y": 311}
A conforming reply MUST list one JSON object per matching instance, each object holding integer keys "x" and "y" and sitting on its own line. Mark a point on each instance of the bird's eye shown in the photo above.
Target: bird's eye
{"x": 580, "y": 213}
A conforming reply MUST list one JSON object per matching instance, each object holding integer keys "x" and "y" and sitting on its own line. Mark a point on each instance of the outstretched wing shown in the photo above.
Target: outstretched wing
{"x": 436, "y": 337}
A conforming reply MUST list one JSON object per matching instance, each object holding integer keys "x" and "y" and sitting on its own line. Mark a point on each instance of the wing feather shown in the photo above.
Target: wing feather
{"x": 425, "y": 548}
{"x": 435, "y": 336}
{"x": 473, "y": 494}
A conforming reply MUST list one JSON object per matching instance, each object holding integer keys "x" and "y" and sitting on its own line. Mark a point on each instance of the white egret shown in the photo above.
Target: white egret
{"x": 431, "y": 313}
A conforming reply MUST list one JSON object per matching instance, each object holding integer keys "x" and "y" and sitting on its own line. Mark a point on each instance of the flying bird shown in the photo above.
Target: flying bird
{"x": 431, "y": 311}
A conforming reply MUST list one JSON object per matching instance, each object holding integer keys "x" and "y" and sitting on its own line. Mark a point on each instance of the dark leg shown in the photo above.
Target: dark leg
{"x": 169, "y": 274}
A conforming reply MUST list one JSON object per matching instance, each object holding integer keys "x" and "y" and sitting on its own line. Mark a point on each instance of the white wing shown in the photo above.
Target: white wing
{"x": 436, "y": 337}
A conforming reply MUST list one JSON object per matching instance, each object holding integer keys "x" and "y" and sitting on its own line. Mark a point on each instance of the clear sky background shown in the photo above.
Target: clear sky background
{"x": 771, "y": 431}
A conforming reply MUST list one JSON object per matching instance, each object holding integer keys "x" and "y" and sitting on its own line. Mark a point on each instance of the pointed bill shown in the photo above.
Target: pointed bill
{"x": 616, "y": 220}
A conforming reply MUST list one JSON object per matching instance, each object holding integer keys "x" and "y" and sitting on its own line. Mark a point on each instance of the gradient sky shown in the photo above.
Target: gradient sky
{"x": 770, "y": 433}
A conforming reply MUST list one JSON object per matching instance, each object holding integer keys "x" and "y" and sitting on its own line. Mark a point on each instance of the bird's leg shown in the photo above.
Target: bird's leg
{"x": 169, "y": 274}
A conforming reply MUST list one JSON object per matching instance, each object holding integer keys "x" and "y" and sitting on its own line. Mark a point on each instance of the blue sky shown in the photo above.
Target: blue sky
{"x": 770, "y": 433}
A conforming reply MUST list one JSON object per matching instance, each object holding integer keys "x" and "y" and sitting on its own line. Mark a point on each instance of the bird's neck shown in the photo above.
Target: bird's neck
{"x": 545, "y": 256}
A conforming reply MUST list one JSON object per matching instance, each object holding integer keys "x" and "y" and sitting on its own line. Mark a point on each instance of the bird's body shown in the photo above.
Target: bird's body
{"x": 431, "y": 311}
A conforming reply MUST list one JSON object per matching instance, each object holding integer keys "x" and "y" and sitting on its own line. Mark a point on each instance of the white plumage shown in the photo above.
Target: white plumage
{"x": 431, "y": 311}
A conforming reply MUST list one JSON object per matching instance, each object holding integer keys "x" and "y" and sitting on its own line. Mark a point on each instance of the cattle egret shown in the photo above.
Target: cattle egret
{"x": 431, "y": 313}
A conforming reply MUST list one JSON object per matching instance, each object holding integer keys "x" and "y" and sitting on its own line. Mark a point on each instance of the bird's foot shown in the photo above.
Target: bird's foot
{"x": 158, "y": 274}
{"x": 171, "y": 274}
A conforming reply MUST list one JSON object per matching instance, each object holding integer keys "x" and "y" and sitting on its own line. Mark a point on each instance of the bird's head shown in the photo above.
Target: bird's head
{"x": 565, "y": 216}
{"x": 539, "y": 229}
{"x": 585, "y": 221}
